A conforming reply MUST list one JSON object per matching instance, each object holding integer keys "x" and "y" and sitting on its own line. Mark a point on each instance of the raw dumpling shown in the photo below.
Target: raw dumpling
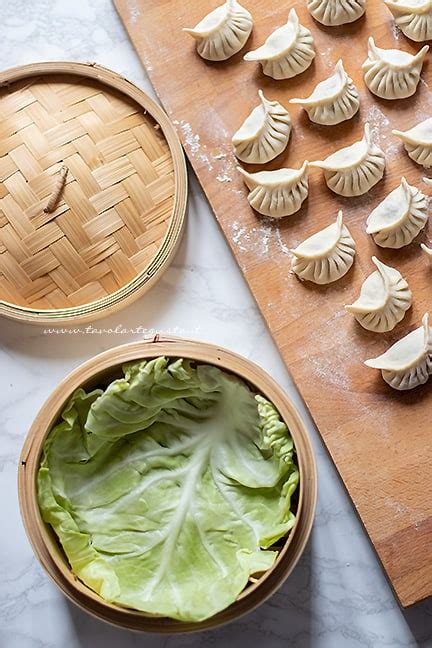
{"x": 336, "y": 12}
{"x": 399, "y": 217}
{"x": 384, "y": 299}
{"x": 418, "y": 142}
{"x": 264, "y": 134}
{"x": 333, "y": 101}
{"x": 392, "y": 73}
{"x": 353, "y": 170}
{"x": 223, "y": 32}
{"x": 325, "y": 256}
{"x": 408, "y": 363}
{"x": 277, "y": 193}
{"x": 426, "y": 249}
{"x": 288, "y": 51}
{"x": 413, "y": 17}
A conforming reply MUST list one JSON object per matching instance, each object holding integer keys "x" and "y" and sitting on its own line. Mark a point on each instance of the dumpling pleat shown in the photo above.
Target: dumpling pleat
{"x": 336, "y": 12}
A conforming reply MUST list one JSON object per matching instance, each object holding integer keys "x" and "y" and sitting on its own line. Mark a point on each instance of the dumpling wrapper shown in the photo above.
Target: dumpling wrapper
{"x": 408, "y": 363}
{"x": 288, "y": 51}
{"x": 426, "y": 249}
{"x": 384, "y": 299}
{"x": 264, "y": 134}
{"x": 277, "y": 193}
{"x": 413, "y": 17}
{"x": 333, "y": 13}
{"x": 399, "y": 218}
{"x": 326, "y": 256}
{"x": 418, "y": 142}
{"x": 391, "y": 73}
{"x": 353, "y": 170}
{"x": 333, "y": 100}
{"x": 223, "y": 32}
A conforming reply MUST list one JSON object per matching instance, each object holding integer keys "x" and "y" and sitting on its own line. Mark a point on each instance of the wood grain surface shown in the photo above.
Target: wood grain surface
{"x": 380, "y": 439}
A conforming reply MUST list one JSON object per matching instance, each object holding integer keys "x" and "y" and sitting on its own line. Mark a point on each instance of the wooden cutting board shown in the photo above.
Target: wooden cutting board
{"x": 380, "y": 440}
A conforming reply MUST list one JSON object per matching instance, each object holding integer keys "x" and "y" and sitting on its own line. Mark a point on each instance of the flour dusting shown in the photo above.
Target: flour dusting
{"x": 223, "y": 178}
{"x": 396, "y": 31}
{"x": 381, "y": 131}
{"x": 255, "y": 240}
{"x": 134, "y": 11}
{"x": 193, "y": 144}
{"x": 283, "y": 247}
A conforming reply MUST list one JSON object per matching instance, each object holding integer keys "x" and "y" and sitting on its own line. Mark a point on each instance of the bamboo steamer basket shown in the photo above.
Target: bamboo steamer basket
{"x": 102, "y": 369}
{"x": 76, "y": 249}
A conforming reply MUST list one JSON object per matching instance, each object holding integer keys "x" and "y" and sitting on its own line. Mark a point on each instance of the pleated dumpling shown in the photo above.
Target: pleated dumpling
{"x": 288, "y": 51}
{"x": 392, "y": 73}
{"x": 333, "y": 100}
{"x": 223, "y": 32}
{"x": 408, "y": 363}
{"x": 418, "y": 142}
{"x": 277, "y": 193}
{"x": 427, "y": 250}
{"x": 398, "y": 219}
{"x": 413, "y": 17}
{"x": 384, "y": 299}
{"x": 264, "y": 134}
{"x": 353, "y": 170}
{"x": 325, "y": 256}
{"x": 336, "y": 12}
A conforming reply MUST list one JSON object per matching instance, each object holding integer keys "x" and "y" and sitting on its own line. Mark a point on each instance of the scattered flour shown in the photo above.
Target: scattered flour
{"x": 326, "y": 57}
{"x": 193, "y": 144}
{"x": 255, "y": 240}
{"x": 192, "y": 140}
{"x": 381, "y": 131}
{"x": 238, "y": 233}
{"x": 396, "y": 31}
{"x": 223, "y": 178}
{"x": 134, "y": 11}
{"x": 283, "y": 247}
{"x": 260, "y": 238}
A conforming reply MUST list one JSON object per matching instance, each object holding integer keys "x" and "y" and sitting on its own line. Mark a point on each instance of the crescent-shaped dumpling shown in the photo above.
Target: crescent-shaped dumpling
{"x": 397, "y": 220}
{"x": 333, "y": 100}
{"x": 353, "y": 170}
{"x": 223, "y": 32}
{"x": 336, "y": 12}
{"x": 288, "y": 51}
{"x": 413, "y": 17}
{"x": 392, "y": 73}
{"x": 325, "y": 256}
{"x": 426, "y": 249}
{"x": 264, "y": 134}
{"x": 418, "y": 142}
{"x": 384, "y": 299}
{"x": 277, "y": 193}
{"x": 408, "y": 363}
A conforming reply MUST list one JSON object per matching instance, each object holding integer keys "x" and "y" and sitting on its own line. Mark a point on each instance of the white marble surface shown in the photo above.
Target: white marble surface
{"x": 338, "y": 596}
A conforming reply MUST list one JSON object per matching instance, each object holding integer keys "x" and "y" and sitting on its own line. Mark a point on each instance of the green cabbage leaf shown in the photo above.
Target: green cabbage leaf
{"x": 168, "y": 488}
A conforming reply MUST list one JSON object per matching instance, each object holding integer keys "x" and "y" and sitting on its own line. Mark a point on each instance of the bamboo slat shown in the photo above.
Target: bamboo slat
{"x": 115, "y": 215}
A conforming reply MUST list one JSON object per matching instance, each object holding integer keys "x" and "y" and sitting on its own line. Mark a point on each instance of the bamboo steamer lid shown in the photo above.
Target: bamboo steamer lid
{"x": 93, "y": 189}
{"x": 104, "y": 368}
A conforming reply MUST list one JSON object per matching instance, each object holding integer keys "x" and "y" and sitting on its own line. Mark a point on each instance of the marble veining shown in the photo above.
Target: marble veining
{"x": 338, "y": 596}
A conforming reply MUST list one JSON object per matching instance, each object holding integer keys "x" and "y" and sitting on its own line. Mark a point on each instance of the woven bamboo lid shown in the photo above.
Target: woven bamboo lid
{"x": 93, "y": 191}
{"x": 104, "y": 368}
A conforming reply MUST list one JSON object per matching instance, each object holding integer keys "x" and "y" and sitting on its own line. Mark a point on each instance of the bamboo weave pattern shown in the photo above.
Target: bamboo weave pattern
{"x": 116, "y": 205}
